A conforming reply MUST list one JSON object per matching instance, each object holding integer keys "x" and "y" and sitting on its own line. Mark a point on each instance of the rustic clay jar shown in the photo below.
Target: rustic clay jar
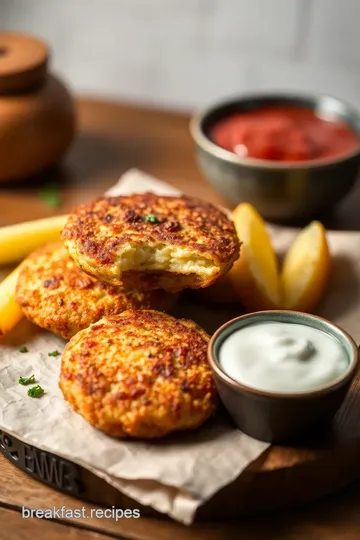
{"x": 37, "y": 113}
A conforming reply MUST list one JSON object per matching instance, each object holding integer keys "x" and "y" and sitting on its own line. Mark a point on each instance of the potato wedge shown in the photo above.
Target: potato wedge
{"x": 306, "y": 269}
{"x": 255, "y": 275}
{"x": 17, "y": 241}
{"x": 10, "y": 311}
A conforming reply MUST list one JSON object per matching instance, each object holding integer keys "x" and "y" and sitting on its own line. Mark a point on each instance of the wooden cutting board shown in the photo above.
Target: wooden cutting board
{"x": 282, "y": 477}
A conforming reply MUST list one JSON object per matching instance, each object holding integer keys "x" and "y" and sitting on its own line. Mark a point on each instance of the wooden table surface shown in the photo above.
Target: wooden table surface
{"x": 113, "y": 138}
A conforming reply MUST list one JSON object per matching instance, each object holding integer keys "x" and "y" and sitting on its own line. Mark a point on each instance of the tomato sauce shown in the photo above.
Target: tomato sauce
{"x": 284, "y": 133}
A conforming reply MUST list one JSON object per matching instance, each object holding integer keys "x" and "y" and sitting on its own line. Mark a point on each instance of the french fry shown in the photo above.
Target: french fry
{"x": 17, "y": 241}
{"x": 10, "y": 311}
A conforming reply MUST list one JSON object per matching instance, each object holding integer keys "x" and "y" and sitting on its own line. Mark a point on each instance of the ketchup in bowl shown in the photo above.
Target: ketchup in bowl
{"x": 284, "y": 133}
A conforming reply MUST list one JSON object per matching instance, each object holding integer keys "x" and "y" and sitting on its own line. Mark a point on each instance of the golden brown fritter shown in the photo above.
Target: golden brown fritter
{"x": 140, "y": 374}
{"x": 149, "y": 241}
{"x": 56, "y": 295}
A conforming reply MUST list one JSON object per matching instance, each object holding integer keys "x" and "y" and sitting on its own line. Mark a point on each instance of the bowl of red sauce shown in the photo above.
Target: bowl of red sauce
{"x": 291, "y": 156}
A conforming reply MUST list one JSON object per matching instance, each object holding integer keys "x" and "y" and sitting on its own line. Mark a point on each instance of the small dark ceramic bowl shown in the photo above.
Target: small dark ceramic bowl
{"x": 279, "y": 191}
{"x": 275, "y": 417}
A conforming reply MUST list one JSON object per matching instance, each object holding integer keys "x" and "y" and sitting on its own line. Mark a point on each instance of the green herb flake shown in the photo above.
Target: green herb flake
{"x": 35, "y": 391}
{"x": 54, "y": 353}
{"x": 51, "y": 196}
{"x": 151, "y": 218}
{"x": 23, "y": 349}
{"x": 26, "y": 380}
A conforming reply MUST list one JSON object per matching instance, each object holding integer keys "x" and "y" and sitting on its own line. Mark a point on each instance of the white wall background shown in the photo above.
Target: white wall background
{"x": 186, "y": 53}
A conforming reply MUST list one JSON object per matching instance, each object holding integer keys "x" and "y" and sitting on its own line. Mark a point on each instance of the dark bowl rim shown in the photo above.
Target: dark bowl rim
{"x": 339, "y": 382}
{"x": 204, "y": 142}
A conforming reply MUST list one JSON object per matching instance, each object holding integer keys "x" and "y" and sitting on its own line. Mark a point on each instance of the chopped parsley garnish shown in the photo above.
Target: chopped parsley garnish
{"x": 151, "y": 218}
{"x": 23, "y": 349}
{"x": 26, "y": 380}
{"x": 35, "y": 391}
{"x": 54, "y": 353}
{"x": 51, "y": 196}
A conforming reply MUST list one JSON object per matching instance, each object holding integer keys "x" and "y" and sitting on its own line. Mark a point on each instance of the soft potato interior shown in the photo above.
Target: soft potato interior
{"x": 165, "y": 258}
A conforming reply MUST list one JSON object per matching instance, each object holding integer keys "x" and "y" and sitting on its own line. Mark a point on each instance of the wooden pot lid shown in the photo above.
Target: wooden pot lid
{"x": 23, "y": 62}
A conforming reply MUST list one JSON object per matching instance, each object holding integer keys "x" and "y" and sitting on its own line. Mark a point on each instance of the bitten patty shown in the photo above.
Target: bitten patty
{"x": 56, "y": 295}
{"x": 148, "y": 241}
{"x": 140, "y": 374}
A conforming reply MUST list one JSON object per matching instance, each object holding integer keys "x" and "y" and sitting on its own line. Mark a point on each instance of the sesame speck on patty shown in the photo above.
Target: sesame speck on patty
{"x": 148, "y": 241}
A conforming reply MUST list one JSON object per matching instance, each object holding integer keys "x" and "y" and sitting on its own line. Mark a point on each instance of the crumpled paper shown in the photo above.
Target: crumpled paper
{"x": 173, "y": 476}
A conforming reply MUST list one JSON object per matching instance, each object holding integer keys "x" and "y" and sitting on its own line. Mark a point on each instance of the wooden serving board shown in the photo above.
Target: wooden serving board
{"x": 281, "y": 478}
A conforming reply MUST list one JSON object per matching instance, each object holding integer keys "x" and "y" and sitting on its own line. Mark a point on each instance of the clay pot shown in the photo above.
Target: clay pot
{"x": 37, "y": 113}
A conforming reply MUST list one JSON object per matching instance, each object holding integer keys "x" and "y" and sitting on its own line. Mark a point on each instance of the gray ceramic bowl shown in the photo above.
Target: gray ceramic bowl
{"x": 279, "y": 191}
{"x": 275, "y": 417}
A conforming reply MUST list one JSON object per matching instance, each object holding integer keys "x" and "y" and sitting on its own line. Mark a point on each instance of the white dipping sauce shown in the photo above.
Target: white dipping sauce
{"x": 282, "y": 357}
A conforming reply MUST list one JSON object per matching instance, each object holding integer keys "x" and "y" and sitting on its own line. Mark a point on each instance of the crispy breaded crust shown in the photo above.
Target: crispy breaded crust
{"x": 152, "y": 241}
{"x": 140, "y": 374}
{"x": 56, "y": 295}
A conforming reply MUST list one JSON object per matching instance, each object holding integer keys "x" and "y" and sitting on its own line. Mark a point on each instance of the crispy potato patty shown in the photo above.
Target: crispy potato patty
{"x": 149, "y": 241}
{"x": 56, "y": 295}
{"x": 140, "y": 374}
